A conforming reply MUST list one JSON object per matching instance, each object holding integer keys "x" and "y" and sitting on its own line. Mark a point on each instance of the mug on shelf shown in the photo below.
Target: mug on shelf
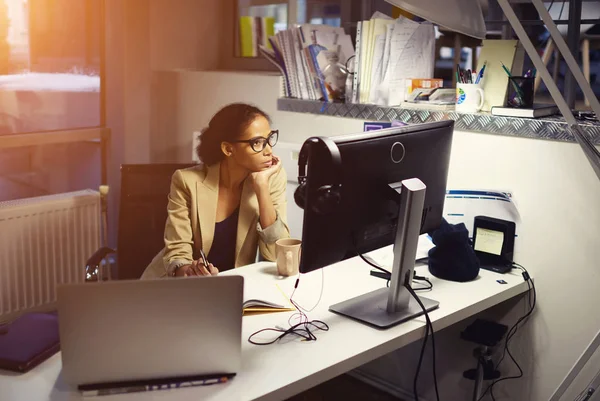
{"x": 469, "y": 98}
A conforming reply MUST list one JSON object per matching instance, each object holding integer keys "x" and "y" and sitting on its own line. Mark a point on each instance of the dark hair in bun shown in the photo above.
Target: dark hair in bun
{"x": 226, "y": 126}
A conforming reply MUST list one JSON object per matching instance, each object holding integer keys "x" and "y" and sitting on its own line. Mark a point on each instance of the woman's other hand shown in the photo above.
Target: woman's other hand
{"x": 196, "y": 268}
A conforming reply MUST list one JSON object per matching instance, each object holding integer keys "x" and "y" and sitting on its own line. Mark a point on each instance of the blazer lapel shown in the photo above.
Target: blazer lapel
{"x": 207, "y": 196}
{"x": 248, "y": 212}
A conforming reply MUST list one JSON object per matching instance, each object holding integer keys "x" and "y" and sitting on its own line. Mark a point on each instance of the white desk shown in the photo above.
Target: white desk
{"x": 281, "y": 370}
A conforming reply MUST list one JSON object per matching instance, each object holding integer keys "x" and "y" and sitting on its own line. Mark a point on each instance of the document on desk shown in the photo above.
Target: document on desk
{"x": 462, "y": 205}
{"x": 385, "y": 256}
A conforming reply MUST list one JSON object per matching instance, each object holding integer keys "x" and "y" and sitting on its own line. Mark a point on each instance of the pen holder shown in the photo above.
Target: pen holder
{"x": 520, "y": 92}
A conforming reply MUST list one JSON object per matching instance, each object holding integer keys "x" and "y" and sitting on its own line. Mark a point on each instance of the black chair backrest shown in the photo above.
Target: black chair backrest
{"x": 142, "y": 215}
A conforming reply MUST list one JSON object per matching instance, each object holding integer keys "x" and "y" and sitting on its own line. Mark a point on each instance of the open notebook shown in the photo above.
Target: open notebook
{"x": 265, "y": 294}
{"x": 264, "y": 298}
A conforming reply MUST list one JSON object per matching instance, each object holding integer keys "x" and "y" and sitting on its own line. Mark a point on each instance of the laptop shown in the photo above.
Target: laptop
{"x": 147, "y": 331}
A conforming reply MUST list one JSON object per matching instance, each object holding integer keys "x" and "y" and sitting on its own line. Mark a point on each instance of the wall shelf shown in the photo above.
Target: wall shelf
{"x": 549, "y": 128}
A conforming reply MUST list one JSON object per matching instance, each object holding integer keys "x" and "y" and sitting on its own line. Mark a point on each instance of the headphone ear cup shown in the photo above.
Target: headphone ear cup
{"x": 328, "y": 199}
{"x": 300, "y": 195}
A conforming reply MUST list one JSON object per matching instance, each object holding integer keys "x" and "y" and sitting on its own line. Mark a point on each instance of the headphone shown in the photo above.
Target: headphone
{"x": 328, "y": 197}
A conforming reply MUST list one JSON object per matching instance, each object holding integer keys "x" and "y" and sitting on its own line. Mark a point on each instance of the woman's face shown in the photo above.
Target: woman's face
{"x": 244, "y": 154}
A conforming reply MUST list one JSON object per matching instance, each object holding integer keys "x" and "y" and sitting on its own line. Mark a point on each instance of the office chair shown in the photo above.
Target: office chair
{"x": 142, "y": 217}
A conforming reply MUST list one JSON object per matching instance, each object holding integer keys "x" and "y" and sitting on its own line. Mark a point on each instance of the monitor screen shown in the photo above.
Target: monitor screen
{"x": 372, "y": 164}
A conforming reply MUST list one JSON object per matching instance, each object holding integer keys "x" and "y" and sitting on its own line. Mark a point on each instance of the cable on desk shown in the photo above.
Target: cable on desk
{"x": 375, "y": 265}
{"x": 513, "y": 330}
{"x": 304, "y": 328}
{"x": 428, "y": 330}
{"x": 429, "y": 287}
{"x": 428, "y": 326}
{"x": 320, "y": 294}
{"x": 416, "y": 279}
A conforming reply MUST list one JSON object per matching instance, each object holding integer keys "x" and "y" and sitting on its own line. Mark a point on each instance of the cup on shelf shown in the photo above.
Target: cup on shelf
{"x": 469, "y": 98}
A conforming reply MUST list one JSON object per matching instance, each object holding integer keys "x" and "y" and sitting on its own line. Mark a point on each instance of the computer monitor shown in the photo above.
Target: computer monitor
{"x": 350, "y": 195}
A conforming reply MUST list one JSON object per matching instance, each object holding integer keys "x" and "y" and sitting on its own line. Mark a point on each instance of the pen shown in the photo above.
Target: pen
{"x": 203, "y": 257}
{"x": 480, "y": 76}
{"x": 505, "y": 69}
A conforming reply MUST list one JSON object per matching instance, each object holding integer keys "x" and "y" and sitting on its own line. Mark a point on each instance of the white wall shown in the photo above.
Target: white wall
{"x": 557, "y": 195}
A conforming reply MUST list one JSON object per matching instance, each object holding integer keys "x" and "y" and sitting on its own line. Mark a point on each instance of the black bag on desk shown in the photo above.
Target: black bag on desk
{"x": 453, "y": 258}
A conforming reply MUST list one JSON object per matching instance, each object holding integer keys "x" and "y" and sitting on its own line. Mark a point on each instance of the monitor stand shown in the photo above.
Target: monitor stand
{"x": 387, "y": 307}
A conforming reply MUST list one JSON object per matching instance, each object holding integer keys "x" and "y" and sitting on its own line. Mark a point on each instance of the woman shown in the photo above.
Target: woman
{"x": 231, "y": 204}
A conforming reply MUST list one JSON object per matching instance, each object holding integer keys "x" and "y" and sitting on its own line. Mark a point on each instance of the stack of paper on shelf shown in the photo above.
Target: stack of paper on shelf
{"x": 302, "y": 54}
{"x": 388, "y": 52}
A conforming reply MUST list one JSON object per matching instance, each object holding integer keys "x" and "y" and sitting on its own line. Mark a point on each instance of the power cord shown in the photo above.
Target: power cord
{"x": 428, "y": 330}
{"x": 428, "y": 325}
{"x": 305, "y": 328}
{"x": 368, "y": 261}
{"x": 428, "y": 287}
{"x": 416, "y": 278}
{"x": 513, "y": 330}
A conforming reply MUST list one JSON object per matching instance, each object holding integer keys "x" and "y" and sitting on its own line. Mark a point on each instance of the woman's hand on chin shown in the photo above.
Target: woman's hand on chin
{"x": 260, "y": 179}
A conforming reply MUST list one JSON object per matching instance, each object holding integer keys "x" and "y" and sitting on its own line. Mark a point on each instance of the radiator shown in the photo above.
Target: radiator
{"x": 45, "y": 241}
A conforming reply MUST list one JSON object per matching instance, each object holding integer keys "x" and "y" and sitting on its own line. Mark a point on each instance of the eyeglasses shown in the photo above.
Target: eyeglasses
{"x": 259, "y": 143}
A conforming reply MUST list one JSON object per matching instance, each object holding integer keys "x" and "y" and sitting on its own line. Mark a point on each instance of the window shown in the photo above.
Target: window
{"x": 50, "y": 96}
{"x": 50, "y": 68}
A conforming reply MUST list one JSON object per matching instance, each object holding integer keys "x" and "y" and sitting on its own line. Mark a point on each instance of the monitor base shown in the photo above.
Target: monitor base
{"x": 371, "y": 308}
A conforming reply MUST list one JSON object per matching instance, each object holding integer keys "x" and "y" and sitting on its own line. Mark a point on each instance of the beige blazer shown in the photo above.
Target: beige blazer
{"x": 192, "y": 211}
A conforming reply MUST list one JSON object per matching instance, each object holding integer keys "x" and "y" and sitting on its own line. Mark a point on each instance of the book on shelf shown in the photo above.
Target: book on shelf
{"x": 254, "y": 32}
{"x": 538, "y": 110}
